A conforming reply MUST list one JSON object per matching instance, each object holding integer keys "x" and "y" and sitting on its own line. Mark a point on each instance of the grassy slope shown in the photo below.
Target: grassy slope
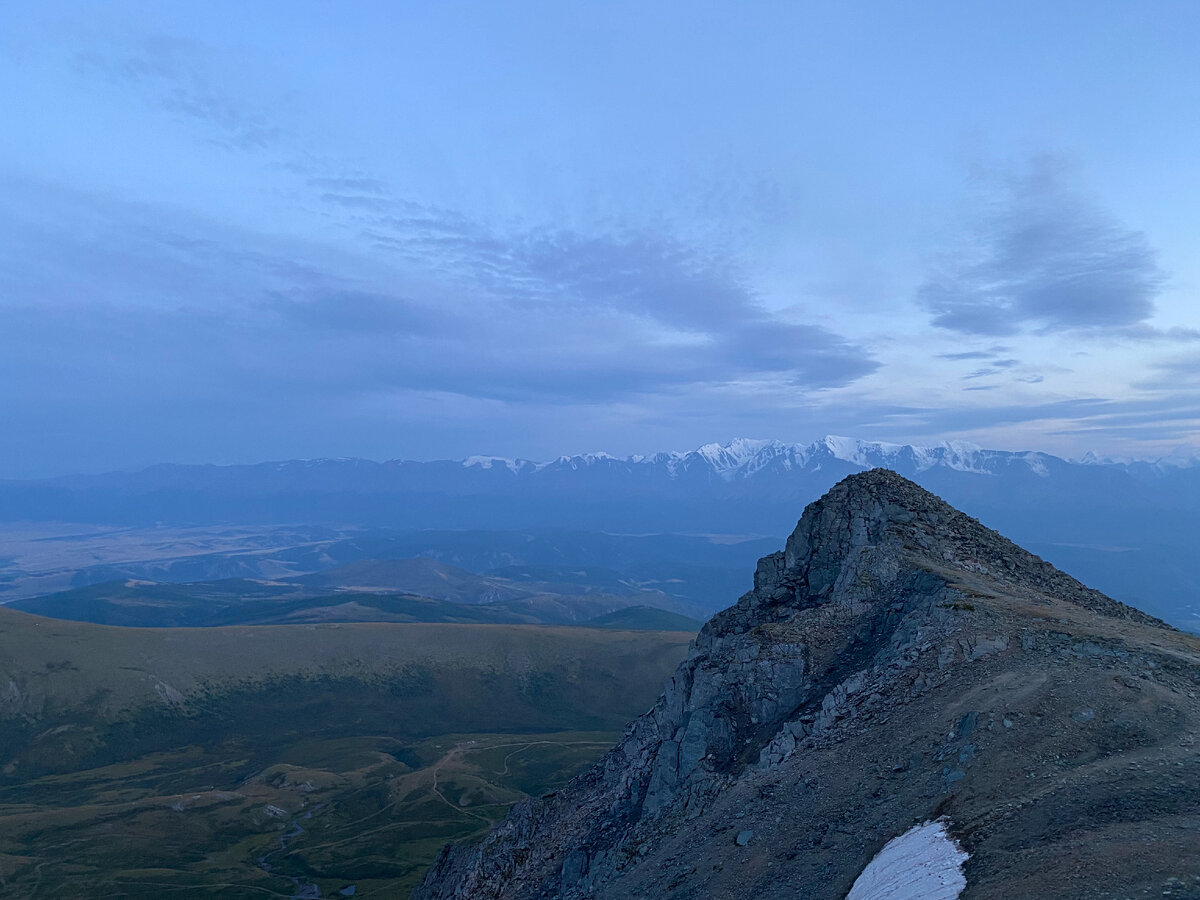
{"x": 142, "y": 605}
{"x": 195, "y": 822}
{"x": 645, "y": 617}
{"x": 48, "y": 664}
{"x": 141, "y": 762}
{"x": 419, "y": 575}
{"x": 371, "y": 591}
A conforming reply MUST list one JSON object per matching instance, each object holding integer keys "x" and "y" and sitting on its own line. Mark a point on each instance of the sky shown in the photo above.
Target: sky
{"x": 234, "y": 232}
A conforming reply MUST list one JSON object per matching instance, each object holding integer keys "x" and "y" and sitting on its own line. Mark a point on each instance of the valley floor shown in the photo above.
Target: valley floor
{"x": 357, "y": 816}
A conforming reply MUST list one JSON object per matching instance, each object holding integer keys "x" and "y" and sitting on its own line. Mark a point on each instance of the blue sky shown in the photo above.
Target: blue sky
{"x": 235, "y": 232}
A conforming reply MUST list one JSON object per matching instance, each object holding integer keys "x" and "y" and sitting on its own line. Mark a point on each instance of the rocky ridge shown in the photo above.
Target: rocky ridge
{"x": 896, "y": 662}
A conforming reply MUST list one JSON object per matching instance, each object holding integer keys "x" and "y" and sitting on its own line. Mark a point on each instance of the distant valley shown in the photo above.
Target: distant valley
{"x": 1127, "y": 527}
{"x": 186, "y": 576}
{"x": 406, "y": 590}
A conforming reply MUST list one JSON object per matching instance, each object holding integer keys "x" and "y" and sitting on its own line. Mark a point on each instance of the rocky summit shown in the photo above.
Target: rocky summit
{"x": 903, "y": 677}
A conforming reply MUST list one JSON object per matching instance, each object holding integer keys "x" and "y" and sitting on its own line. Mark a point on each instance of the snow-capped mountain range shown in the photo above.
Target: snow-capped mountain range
{"x": 770, "y": 469}
{"x": 746, "y": 457}
{"x": 1128, "y": 526}
{"x": 744, "y": 486}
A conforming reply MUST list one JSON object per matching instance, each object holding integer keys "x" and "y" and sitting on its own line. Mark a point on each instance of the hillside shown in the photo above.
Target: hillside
{"x": 897, "y": 667}
{"x": 463, "y": 677}
{"x": 171, "y": 762}
{"x": 421, "y": 575}
{"x": 402, "y": 590}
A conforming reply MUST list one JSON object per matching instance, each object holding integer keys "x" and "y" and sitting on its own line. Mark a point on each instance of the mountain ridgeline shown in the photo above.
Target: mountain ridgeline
{"x": 746, "y": 485}
{"x": 1127, "y": 527}
{"x": 896, "y": 665}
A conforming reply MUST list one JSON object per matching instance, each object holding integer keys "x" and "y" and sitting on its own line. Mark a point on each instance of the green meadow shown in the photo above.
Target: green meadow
{"x": 274, "y": 761}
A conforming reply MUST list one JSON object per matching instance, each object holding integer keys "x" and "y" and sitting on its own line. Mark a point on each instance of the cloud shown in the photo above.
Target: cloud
{"x": 982, "y": 413}
{"x": 1172, "y": 417}
{"x": 630, "y": 310}
{"x": 654, "y": 309}
{"x": 339, "y": 184}
{"x": 173, "y": 75}
{"x": 1142, "y": 332}
{"x": 144, "y": 325}
{"x": 1168, "y": 417}
{"x": 1173, "y": 373}
{"x": 361, "y": 312}
{"x": 1043, "y": 258}
{"x": 971, "y": 354}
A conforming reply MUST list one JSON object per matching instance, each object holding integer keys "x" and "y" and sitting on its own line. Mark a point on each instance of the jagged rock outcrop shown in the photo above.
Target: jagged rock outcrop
{"x": 897, "y": 662}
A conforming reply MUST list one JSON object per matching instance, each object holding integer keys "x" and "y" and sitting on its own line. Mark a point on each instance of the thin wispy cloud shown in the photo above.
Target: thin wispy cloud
{"x": 1181, "y": 370}
{"x": 689, "y": 309}
{"x": 967, "y": 354}
{"x": 171, "y": 74}
{"x": 1044, "y": 258}
{"x": 570, "y": 320}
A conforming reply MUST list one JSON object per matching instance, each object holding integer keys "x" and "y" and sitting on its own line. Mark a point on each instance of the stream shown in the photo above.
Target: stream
{"x": 304, "y": 890}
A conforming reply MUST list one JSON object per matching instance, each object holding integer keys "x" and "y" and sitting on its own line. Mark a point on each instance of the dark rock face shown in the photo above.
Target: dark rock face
{"x": 896, "y": 662}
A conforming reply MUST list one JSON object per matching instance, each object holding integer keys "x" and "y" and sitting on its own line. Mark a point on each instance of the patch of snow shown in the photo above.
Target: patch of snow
{"x": 1185, "y": 456}
{"x": 846, "y": 449}
{"x": 1037, "y": 463}
{"x": 924, "y": 863}
{"x": 1092, "y": 459}
{"x": 962, "y": 456}
{"x": 735, "y": 454}
{"x": 319, "y": 461}
{"x": 928, "y": 457}
{"x": 579, "y": 461}
{"x": 488, "y": 462}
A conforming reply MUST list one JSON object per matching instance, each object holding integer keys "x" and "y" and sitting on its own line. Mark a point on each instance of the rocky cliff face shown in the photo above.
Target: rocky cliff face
{"x": 896, "y": 663}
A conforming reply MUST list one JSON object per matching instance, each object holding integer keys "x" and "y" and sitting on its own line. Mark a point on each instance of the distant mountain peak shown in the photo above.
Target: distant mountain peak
{"x": 737, "y": 452}
{"x": 489, "y": 462}
{"x": 745, "y": 457}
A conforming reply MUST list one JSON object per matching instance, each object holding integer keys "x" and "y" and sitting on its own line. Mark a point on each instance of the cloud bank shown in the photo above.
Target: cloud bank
{"x": 159, "y": 319}
{"x": 1043, "y": 258}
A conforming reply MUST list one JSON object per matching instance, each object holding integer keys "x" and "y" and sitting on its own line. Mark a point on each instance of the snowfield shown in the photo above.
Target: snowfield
{"x": 924, "y": 863}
